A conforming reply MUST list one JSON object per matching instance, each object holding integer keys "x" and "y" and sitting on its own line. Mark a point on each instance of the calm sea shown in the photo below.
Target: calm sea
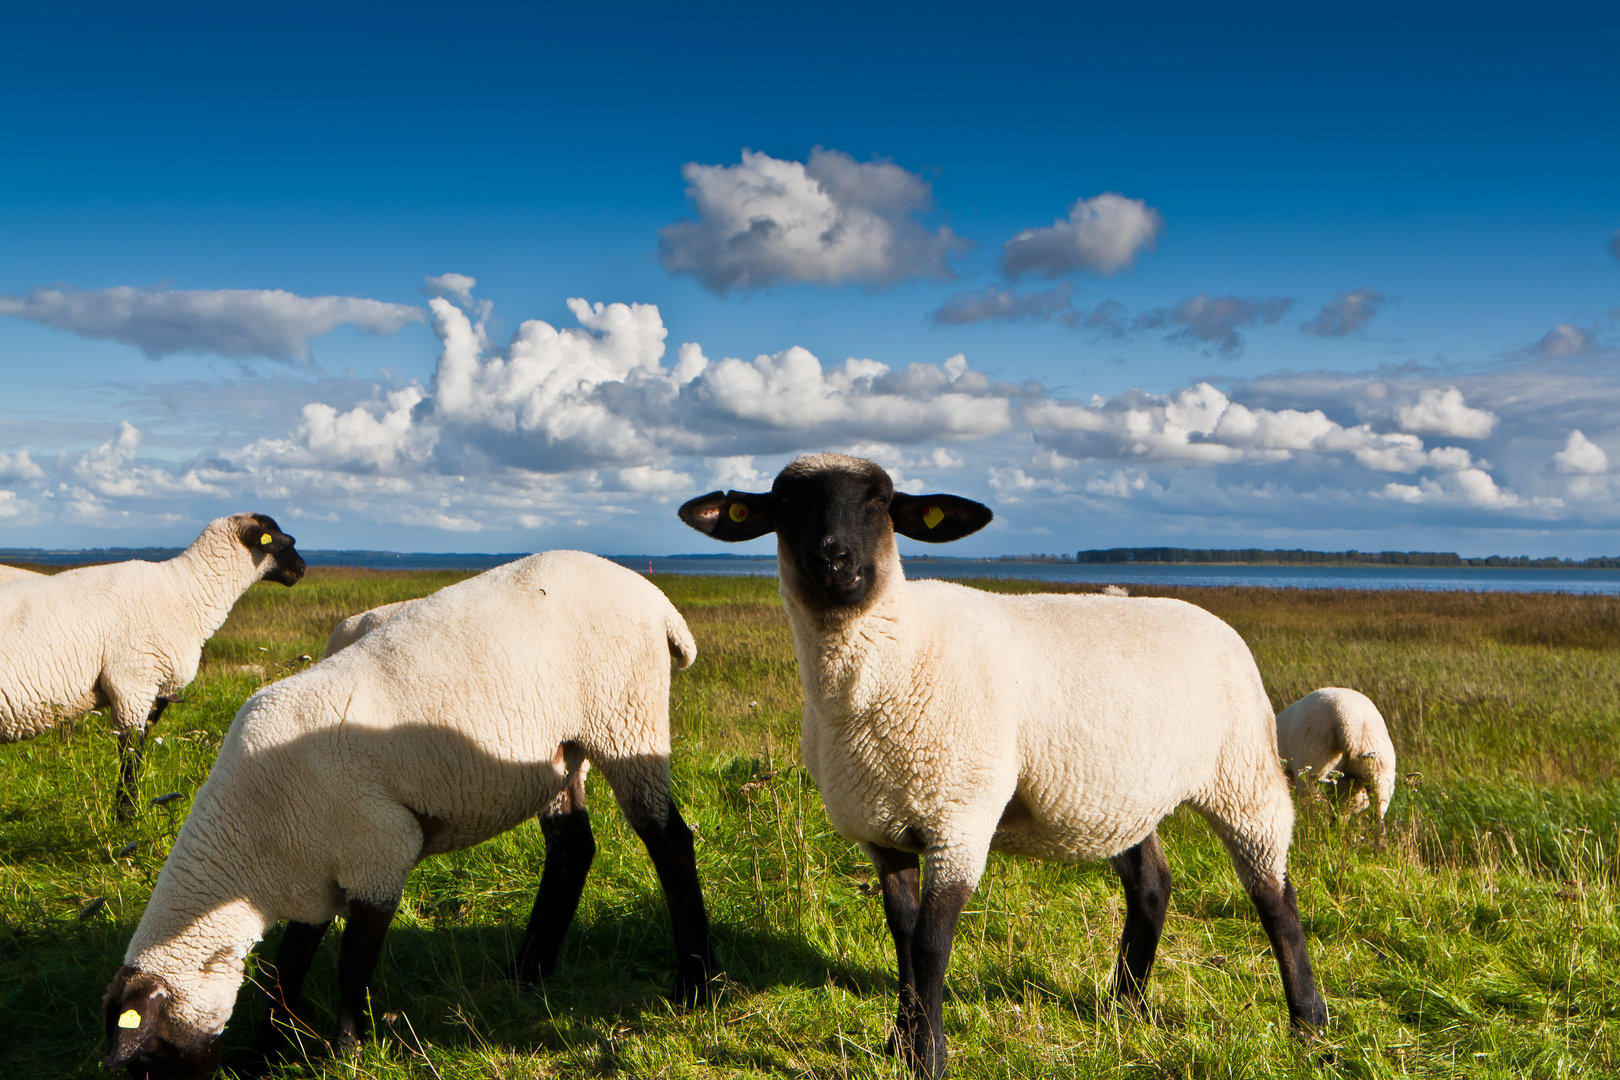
{"x": 1487, "y": 579}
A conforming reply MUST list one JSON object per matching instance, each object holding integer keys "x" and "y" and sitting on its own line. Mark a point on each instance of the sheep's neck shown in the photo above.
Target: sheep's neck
{"x": 847, "y": 664}
{"x": 212, "y": 573}
{"x": 195, "y": 934}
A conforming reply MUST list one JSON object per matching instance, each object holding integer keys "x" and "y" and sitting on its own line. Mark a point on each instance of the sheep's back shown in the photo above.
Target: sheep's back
{"x": 455, "y": 708}
{"x": 55, "y": 636}
{"x": 1123, "y": 708}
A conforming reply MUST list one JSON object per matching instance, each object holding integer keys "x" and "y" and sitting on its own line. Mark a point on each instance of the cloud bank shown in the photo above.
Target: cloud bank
{"x": 830, "y": 220}
{"x": 602, "y": 425}
{"x": 266, "y": 324}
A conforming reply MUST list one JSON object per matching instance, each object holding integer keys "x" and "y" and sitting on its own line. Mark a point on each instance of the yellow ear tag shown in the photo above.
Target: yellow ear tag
{"x": 934, "y": 516}
{"x": 264, "y": 541}
{"x": 129, "y": 1018}
{"x": 738, "y": 511}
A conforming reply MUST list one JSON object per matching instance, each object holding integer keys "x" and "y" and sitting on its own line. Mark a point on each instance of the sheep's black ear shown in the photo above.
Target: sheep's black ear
{"x": 131, "y": 1011}
{"x": 261, "y": 533}
{"x": 937, "y": 518}
{"x": 732, "y": 516}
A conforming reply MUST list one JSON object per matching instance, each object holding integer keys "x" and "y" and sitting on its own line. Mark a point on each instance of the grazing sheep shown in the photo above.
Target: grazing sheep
{"x": 128, "y": 635}
{"x": 17, "y": 573}
{"x": 947, "y": 722}
{"x": 456, "y": 721}
{"x": 355, "y": 627}
{"x": 1337, "y": 728}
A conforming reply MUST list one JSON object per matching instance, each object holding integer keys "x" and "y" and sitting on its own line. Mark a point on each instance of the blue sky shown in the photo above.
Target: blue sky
{"x": 1215, "y": 276}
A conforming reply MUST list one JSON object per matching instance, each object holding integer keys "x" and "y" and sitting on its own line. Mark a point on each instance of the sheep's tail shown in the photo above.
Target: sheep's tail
{"x": 681, "y": 644}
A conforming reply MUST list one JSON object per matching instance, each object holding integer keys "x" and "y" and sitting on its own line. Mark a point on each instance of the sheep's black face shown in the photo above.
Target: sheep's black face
{"x": 835, "y": 518}
{"x": 263, "y": 536}
{"x": 833, "y": 524}
{"x": 141, "y": 1036}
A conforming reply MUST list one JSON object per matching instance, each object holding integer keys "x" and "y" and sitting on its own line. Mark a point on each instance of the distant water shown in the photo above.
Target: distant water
{"x": 1478, "y": 578}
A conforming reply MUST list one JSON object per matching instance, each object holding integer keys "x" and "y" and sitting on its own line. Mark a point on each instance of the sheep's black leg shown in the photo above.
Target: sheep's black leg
{"x": 897, "y": 877}
{"x": 131, "y": 748}
{"x": 1145, "y": 874}
{"x": 673, "y": 856}
{"x": 930, "y": 955}
{"x": 299, "y": 941}
{"x": 569, "y": 850}
{"x": 1279, "y": 914}
{"x": 363, "y": 936}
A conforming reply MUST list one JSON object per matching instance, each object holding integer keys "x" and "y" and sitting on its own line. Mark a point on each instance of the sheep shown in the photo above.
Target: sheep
{"x": 355, "y": 627}
{"x": 945, "y": 722}
{"x": 128, "y": 635}
{"x": 17, "y": 573}
{"x": 1337, "y": 728}
{"x": 454, "y": 722}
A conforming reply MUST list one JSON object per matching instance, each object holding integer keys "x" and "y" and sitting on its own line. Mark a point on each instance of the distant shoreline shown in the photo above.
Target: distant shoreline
{"x": 1099, "y": 557}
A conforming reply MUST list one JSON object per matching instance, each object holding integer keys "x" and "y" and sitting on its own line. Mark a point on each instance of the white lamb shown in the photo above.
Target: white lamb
{"x": 454, "y": 722}
{"x": 355, "y": 627}
{"x": 128, "y": 635}
{"x": 1337, "y": 728}
{"x": 17, "y": 573}
{"x": 947, "y": 722}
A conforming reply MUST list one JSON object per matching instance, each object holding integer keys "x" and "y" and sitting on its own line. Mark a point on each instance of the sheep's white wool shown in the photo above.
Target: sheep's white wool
{"x": 938, "y": 705}
{"x": 17, "y": 573}
{"x": 118, "y": 635}
{"x": 453, "y": 711}
{"x": 1337, "y": 728}
{"x": 952, "y": 721}
{"x": 355, "y": 627}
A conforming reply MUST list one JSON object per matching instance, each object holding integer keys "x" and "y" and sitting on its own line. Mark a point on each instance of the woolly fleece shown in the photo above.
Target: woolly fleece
{"x": 454, "y": 710}
{"x": 1337, "y": 728}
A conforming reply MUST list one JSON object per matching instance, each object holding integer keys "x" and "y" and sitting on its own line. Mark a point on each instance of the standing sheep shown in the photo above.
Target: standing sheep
{"x": 453, "y": 723}
{"x": 1336, "y": 728}
{"x": 128, "y": 635}
{"x": 355, "y": 627}
{"x": 945, "y": 722}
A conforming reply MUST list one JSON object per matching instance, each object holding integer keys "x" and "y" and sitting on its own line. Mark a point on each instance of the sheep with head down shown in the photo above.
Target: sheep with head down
{"x": 944, "y": 722}
{"x": 460, "y": 718}
{"x": 1339, "y": 730}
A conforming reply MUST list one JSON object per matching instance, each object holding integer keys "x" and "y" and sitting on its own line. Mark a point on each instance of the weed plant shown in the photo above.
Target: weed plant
{"x": 1475, "y": 937}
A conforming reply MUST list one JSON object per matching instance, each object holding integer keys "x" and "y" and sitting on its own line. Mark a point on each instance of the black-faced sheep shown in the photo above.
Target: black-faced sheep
{"x": 128, "y": 635}
{"x": 454, "y": 722}
{"x": 945, "y": 722}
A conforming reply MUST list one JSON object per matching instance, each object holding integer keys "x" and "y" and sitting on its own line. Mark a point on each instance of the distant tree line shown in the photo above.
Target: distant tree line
{"x": 1296, "y": 557}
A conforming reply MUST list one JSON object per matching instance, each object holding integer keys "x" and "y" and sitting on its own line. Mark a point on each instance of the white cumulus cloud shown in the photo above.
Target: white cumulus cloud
{"x": 1445, "y": 413}
{"x": 1200, "y": 424}
{"x": 19, "y": 466}
{"x": 1102, "y": 235}
{"x": 245, "y": 323}
{"x": 1581, "y": 456}
{"x": 830, "y": 220}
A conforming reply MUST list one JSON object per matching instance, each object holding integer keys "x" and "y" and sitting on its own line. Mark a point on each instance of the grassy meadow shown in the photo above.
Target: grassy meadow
{"x": 1478, "y": 937}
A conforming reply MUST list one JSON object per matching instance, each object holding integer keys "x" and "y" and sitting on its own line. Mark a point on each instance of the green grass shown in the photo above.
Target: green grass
{"x": 1477, "y": 938}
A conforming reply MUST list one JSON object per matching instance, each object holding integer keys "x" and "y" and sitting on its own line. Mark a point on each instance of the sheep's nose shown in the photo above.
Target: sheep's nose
{"x": 832, "y": 562}
{"x": 834, "y": 554}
